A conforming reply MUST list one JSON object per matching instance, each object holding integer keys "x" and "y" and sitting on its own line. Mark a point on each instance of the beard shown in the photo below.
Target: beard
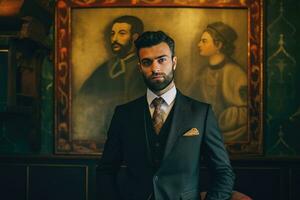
{"x": 158, "y": 85}
{"x": 124, "y": 49}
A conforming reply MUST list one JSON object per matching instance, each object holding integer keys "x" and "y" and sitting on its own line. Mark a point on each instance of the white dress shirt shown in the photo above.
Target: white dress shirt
{"x": 169, "y": 99}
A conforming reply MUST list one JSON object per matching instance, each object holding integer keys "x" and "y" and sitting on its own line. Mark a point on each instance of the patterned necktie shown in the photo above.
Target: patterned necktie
{"x": 157, "y": 118}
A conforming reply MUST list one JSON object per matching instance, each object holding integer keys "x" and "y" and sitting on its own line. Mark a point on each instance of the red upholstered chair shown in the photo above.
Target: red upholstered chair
{"x": 235, "y": 196}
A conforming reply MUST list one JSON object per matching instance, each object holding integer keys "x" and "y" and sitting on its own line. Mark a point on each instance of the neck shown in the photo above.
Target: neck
{"x": 166, "y": 89}
{"x": 130, "y": 53}
{"x": 216, "y": 59}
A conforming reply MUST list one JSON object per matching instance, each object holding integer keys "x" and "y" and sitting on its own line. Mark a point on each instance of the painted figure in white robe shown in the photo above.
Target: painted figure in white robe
{"x": 223, "y": 83}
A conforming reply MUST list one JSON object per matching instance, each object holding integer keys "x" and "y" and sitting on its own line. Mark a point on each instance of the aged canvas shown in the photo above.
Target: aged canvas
{"x": 104, "y": 72}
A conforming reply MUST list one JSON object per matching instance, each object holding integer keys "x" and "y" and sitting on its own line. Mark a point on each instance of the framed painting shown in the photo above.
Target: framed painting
{"x": 220, "y": 61}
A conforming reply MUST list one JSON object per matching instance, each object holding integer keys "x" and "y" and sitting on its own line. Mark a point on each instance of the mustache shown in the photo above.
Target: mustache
{"x": 157, "y": 74}
{"x": 116, "y": 43}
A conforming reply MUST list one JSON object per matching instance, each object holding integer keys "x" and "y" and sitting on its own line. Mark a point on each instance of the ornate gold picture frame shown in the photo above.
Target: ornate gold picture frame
{"x": 83, "y": 46}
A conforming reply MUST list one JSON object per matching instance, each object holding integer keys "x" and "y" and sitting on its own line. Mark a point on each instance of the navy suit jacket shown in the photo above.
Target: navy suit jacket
{"x": 178, "y": 176}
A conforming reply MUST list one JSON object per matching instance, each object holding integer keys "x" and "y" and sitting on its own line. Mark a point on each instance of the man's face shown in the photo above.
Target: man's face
{"x": 121, "y": 39}
{"x": 157, "y": 66}
{"x": 207, "y": 46}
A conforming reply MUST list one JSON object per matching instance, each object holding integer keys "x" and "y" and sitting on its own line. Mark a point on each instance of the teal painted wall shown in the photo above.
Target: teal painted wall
{"x": 282, "y": 80}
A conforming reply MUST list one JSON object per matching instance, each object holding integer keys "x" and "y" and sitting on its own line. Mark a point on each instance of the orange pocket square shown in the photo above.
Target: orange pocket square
{"x": 191, "y": 132}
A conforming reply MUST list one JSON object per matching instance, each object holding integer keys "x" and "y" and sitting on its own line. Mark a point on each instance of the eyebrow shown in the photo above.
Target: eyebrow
{"x": 161, "y": 56}
{"x": 156, "y": 57}
{"x": 119, "y": 30}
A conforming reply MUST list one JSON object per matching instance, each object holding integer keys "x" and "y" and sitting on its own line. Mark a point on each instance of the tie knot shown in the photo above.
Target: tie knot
{"x": 157, "y": 101}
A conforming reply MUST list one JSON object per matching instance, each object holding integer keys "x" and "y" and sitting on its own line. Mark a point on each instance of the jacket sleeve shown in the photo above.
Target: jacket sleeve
{"x": 110, "y": 162}
{"x": 217, "y": 160}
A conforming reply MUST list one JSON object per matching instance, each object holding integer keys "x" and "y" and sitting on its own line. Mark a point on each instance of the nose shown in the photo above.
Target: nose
{"x": 155, "y": 67}
{"x": 114, "y": 37}
{"x": 199, "y": 44}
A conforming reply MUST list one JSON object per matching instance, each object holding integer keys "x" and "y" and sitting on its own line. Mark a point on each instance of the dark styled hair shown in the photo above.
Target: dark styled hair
{"x": 223, "y": 33}
{"x": 151, "y": 38}
{"x": 137, "y": 25}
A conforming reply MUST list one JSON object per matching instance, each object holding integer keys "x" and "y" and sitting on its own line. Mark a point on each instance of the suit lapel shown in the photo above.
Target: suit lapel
{"x": 146, "y": 114}
{"x": 179, "y": 119}
{"x": 139, "y": 130}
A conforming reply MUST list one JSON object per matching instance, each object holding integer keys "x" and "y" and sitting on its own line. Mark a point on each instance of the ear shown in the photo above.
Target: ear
{"x": 135, "y": 36}
{"x": 219, "y": 45}
{"x": 174, "y": 60}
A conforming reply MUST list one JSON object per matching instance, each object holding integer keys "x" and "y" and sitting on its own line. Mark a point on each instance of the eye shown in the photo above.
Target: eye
{"x": 122, "y": 32}
{"x": 162, "y": 60}
{"x": 112, "y": 33}
{"x": 146, "y": 62}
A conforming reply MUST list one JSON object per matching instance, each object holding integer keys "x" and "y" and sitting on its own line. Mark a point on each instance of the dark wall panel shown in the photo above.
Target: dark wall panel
{"x": 259, "y": 183}
{"x": 55, "y": 182}
{"x": 13, "y": 182}
{"x": 295, "y": 184}
{"x": 41, "y": 178}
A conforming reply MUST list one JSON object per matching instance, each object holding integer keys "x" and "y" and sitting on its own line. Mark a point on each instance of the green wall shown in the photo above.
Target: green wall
{"x": 282, "y": 80}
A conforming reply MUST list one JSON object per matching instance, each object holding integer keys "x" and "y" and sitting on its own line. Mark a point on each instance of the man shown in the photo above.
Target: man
{"x": 114, "y": 82}
{"x": 160, "y": 137}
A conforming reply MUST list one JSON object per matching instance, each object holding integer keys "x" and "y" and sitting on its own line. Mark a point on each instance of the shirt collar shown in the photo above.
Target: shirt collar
{"x": 168, "y": 96}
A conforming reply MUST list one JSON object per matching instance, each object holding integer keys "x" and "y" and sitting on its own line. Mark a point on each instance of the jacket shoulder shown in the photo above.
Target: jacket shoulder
{"x": 133, "y": 104}
{"x": 195, "y": 102}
